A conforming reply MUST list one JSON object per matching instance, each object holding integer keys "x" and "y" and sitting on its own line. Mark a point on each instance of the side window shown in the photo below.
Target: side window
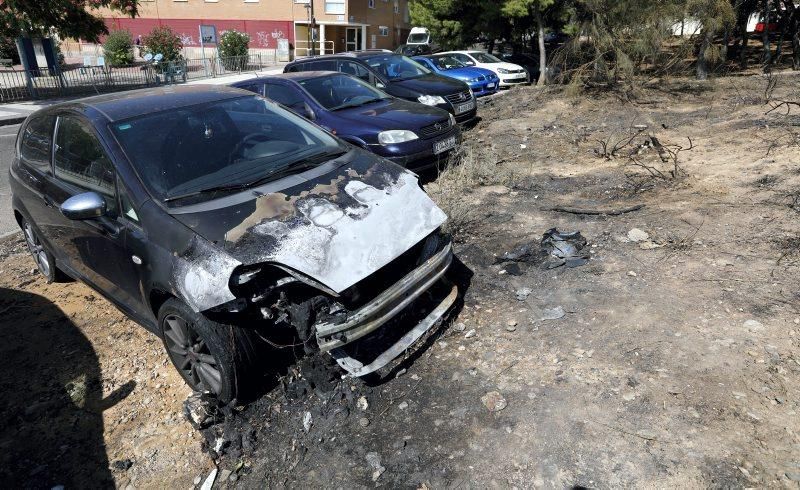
{"x": 296, "y": 67}
{"x": 464, "y": 59}
{"x": 257, "y": 88}
{"x": 352, "y": 68}
{"x": 284, "y": 95}
{"x": 321, "y": 65}
{"x": 37, "y": 143}
{"x": 81, "y": 160}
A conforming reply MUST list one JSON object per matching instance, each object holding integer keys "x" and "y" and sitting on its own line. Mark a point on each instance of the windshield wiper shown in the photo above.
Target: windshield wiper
{"x": 273, "y": 174}
{"x": 357, "y": 104}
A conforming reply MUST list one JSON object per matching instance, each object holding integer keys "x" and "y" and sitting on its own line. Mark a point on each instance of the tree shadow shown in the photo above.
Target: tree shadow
{"x": 51, "y": 424}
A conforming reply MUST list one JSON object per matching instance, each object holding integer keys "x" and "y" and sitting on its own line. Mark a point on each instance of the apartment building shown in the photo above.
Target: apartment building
{"x": 342, "y": 25}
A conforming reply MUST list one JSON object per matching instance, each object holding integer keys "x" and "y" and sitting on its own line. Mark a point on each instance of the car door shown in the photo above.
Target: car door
{"x": 36, "y": 142}
{"x": 94, "y": 248}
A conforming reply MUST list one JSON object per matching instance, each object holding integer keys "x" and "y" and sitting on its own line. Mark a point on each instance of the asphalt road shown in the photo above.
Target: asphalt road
{"x": 8, "y": 135}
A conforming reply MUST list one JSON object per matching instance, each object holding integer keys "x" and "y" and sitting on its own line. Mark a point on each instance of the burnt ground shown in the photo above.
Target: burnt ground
{"x": 669, "y": 361}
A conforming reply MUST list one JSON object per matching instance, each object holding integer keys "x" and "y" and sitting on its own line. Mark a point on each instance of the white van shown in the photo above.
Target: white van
{"x": 419, "y": 35}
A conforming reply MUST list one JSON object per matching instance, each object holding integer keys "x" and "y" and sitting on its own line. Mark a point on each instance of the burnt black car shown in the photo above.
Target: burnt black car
{"x": 218, "y": 219}
{"x": 399, "y": 76}
{"x": 412, "y": 50}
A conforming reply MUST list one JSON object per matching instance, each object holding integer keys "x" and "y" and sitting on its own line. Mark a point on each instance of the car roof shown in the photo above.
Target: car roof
{"x": 296, "y": 76}
{"x": 367, "y": 53}
{"x": 124, "y": 105}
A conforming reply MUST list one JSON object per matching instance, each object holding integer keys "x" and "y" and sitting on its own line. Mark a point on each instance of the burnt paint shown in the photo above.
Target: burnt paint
{"x": 316, "y": 228}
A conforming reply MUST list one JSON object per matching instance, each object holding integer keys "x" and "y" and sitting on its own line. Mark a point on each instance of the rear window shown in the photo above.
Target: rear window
{"x": 321, "y": 65}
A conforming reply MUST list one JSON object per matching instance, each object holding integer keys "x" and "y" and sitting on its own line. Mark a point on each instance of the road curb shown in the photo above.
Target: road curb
{"x": 12, "y": 120}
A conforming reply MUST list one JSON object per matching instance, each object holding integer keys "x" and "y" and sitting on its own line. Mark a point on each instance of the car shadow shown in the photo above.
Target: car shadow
{"x": 51, "y": 422}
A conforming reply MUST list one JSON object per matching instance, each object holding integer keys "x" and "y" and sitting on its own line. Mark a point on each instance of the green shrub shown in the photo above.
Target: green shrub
{"x": 233, "y": 49}
{"x": 163, "y": 40}
{"x": 118, "y": 48}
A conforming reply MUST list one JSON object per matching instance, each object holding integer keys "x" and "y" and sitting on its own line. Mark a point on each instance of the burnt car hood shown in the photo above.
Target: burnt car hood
{"x": 431, "y": 84}
{"x": 336, "y": 224}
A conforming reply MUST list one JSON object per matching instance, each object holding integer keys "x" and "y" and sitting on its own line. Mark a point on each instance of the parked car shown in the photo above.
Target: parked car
{"x": 410, "y": 134}
{"x": 481, "y": 82}
{"x": 509, "y": 73}
{"x": 412, "y": 50}
{"x": 399, "y": 76}
{"x": 527, "y": 61}
{"x": 216, "y": 218}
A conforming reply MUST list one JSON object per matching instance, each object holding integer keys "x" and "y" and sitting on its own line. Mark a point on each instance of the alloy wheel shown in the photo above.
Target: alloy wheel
{"x": 36, "y": 249}
{"x": 191, "y": 356}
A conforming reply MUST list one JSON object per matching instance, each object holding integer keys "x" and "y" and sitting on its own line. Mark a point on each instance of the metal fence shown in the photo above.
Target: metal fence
{"x": 86, "y": 80}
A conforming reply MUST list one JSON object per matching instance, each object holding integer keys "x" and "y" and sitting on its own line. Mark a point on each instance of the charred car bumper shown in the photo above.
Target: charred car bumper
{"x": 333, "y": 337}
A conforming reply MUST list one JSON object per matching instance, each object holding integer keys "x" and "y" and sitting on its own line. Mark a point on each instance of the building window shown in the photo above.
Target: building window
{"x": 334, "y": 6}
{"x": 371, "y": 4}
{"x": 383, "y": 31}
{"x": 396, "y": 7}
{"x": 406, "y": 14}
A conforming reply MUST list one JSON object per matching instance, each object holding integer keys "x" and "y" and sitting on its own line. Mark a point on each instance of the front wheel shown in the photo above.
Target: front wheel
{"x": 211, "y": 357}
{"x": 45, "y": 261}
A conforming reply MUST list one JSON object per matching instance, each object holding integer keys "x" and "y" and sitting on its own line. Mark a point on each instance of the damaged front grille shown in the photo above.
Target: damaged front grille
{"x": 366, "y": 290}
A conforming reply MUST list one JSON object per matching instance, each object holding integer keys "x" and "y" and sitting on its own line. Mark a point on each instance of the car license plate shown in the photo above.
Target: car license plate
{"x": 490, "y": 85}
{"x": 467, "y": 106}
{"x": 444, "y": 145}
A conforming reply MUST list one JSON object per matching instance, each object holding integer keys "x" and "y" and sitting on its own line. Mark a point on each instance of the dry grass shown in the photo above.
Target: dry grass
{"x": 469, "y": 168}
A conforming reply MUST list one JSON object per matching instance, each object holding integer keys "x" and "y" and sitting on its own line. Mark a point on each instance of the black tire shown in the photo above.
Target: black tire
{"x": 212, "y": 357}
{"x": 44, "y": 260}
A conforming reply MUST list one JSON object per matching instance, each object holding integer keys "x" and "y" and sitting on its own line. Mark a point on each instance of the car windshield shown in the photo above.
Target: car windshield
{"x": 418, "y": 38}
{"x": 199, "y": 151}
{"x": 397, "y": 67}
{"x": 448, "y": 62}
{"x": 335, "y": 92}
{"x": 485, "y": 58}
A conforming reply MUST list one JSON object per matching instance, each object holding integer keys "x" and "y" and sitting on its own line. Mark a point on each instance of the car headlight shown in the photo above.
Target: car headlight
{"x": 430, "y": 99}
{"x": 396, "y": 136}
{"x": 503, "y": 71}
{"x": 473, "y": 80}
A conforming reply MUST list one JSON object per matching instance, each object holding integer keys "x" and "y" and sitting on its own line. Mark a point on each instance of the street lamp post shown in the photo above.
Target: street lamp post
{"x": 311, "y": 24}
{"x": 313, "y": 29}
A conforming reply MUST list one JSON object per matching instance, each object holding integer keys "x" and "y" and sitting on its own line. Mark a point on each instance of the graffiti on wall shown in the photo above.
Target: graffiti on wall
{"x": 187, "y": 40}
{"x": 263, "y": 37}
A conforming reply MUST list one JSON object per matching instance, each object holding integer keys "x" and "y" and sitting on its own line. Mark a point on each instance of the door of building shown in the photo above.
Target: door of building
{"x": 353, "y": 39}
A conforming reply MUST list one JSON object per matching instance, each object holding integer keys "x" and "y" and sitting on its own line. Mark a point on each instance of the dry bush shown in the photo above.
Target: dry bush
{"x": 469, "y": 168}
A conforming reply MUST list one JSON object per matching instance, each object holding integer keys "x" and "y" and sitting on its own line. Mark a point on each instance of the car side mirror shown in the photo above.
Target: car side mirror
{"x": 83, "y": 206}
{"x": 306, "y": 111}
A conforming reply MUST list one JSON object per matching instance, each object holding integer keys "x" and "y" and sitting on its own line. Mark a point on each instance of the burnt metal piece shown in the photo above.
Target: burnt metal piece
{"x": 386, "y": 305}
{"x": 356, "y": 368}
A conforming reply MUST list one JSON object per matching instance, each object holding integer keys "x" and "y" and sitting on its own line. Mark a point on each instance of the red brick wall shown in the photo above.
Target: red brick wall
{"x": 263, "y": 33}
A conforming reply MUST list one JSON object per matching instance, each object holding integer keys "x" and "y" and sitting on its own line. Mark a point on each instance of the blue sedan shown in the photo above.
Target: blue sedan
{"x": 480, "y": 80}
{"x": 410, "y": 134}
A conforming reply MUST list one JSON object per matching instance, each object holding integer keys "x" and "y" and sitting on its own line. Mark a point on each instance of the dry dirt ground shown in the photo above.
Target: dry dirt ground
{"x": 666, "y": 361}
